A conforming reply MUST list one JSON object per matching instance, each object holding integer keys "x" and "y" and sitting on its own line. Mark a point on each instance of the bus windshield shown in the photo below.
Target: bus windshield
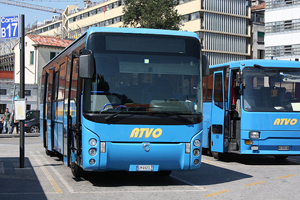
{"x": 137, "y": 73}
{"x": 271, "y": 89}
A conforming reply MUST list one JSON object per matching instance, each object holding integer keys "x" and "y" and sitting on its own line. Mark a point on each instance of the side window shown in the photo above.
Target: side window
{"x": 49, "y": 94}
{"x": 208, "y": 87}
{"x": 74, "y": 79}
{"x": 56, "y": 79}
{"x": 218, "y": 90}
{"x": 62, "y": 81}
{"x": 29, "y": 115}
{"x": 226, "y": 71}
{"x": 43, "y": 81}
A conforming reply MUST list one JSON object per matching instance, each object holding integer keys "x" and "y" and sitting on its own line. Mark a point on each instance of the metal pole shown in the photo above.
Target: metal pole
{"x": 22, "y": 86}
{"x": 12, "y": 101}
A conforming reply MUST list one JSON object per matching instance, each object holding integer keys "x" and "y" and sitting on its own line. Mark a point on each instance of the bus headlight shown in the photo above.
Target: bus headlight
{"x": 93, "y": 142}
{"x": 196, "y": 162}
{"x": 196, "y": 152}
{"x": 254, "y": 134}
{"x": 197, "y": 143}
{"x": 92, "y": 152}
{"x": 92, "y": 161}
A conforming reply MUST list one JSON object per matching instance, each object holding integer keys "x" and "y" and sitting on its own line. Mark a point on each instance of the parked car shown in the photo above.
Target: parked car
{"x": 1, "y": 127}
{"x": 32, "y": 122}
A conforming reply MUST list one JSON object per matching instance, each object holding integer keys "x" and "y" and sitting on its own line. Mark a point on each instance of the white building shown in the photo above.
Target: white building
{"x": 38, "y": 51}
{"x": 282, "y": 26}
{"x": 222, "y": 25}
{"x": 258, "y": 31}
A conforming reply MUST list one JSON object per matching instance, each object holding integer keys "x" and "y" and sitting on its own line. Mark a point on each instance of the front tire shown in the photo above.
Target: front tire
{"x": 77, "y": 171}
{"x": 49, "y": 153}
{"x": 281, "y": 157}
{"x": 217, "y": 155}
{"x": 34, "y": 129}
{"x": 163, "y": 173}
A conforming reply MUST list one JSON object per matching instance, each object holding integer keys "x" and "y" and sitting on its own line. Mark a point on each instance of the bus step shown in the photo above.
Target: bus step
{"x": 233, "y": 146}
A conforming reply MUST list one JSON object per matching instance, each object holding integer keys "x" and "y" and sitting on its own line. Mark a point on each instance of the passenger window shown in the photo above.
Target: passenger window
{"x": 218, "y": 90}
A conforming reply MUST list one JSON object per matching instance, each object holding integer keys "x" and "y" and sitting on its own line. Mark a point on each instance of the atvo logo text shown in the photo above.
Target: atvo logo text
{"x": 146, "y": 132}
{"x": 285, "y": 121}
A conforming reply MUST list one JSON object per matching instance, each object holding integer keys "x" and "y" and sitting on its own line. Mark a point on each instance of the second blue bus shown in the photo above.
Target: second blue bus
{"x": 252, "y": 107}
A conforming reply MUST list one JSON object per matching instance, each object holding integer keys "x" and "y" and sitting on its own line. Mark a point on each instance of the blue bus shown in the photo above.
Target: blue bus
{"x": 125, "y": 99}
{"x": 252, "y": 107}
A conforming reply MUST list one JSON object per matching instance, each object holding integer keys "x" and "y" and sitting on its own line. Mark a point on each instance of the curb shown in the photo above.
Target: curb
{"x": 14, "y": 135}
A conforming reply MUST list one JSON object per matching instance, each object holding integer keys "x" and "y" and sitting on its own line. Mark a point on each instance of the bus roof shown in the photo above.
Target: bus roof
{"x": 141, "y": 31}
{"x": 264, "y": 63}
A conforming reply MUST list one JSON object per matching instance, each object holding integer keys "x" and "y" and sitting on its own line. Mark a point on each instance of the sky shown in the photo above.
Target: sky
{"x": 31, "y": 15}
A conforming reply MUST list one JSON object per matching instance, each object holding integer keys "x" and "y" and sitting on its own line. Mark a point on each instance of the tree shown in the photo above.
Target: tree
{"x": 159, "y": 14}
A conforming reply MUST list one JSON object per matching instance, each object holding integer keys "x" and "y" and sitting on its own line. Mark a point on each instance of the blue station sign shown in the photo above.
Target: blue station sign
{"x": 10, "y": 27}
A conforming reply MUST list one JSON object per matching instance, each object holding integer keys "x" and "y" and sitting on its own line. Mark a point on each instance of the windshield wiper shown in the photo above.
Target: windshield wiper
{"x": 114, "y": 115}
{"x": 123, "y": 111}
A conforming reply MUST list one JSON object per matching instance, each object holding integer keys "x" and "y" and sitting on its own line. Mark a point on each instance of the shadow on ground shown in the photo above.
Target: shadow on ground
{"x": 258, "y": 160}
{"x": 206, "y": 175}
{"x": 19, "y": 183}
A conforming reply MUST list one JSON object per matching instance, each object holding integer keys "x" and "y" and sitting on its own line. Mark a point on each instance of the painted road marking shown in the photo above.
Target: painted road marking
{"x": 189, "y": 183}
{"x": 217, "y": 193}
{"x": 59, "y": 176}
{"x": 287, "y": 176}
{"x": 47, "y": 174}
{"x": 257, "y": 183}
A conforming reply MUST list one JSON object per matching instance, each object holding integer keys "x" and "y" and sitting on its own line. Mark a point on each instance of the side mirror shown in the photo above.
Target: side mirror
{"x": 86, "y": 64}
{"x": 205, "y": 65}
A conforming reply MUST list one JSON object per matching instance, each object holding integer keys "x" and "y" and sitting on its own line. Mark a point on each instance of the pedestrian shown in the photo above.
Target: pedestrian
{"x": 6, "y": 125}
{"x": 13, "y": 122}
{"x": 2, "y": 121}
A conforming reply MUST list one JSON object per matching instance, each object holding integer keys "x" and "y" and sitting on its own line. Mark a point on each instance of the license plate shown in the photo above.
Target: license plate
{"x": 283, "y": 148}
{"x": 144, "y": 168}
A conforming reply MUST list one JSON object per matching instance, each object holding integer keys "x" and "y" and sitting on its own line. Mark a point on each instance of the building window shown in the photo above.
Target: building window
{"x": 2, "y": 108}
{"x": 288, "y": 24}
{"x": 52, "y": 55}
{"x": 27, "y": 92}
{"x": 261, "y": 54}
{"x": 260, "y": 37}
{"x": 28, "y": 107}
{"x": 288, "y": 50}
{"x": 2, "y": 91}
{"x": 31, "y": 57}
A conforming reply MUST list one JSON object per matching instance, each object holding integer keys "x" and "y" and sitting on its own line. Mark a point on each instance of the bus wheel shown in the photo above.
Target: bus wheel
{"x": 281, "y": 157}
{"x": 49, "y": 153}
{"x": 217, "y": 155}
{"x": 163, "y": 173}
{"x": 76, "y": 170}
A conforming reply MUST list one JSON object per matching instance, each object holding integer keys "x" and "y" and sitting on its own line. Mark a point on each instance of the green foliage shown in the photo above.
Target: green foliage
{"x": 158, "y": 14}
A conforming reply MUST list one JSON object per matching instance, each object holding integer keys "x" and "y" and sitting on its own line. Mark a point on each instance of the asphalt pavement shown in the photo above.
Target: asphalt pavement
{"x": 16, "y": 182}
{"x": 14, "y": 135}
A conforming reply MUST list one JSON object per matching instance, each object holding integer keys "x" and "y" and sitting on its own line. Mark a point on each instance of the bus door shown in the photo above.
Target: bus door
{"x": 234, "y": 115}
{"x": 74, "y": 134}
{"x": 43, "y": 109}
{"x": 218, "y": 113}
{"x": 49, "y": 112}
{"x": 57, "y": 116}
